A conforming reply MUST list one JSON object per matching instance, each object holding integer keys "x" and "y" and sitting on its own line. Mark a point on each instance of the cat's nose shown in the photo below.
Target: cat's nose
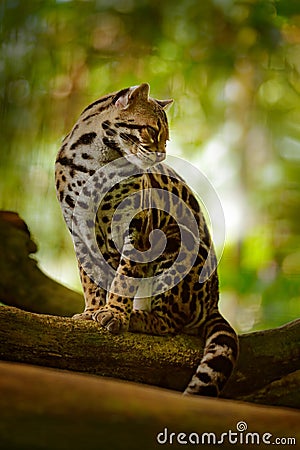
{"x": 160, "y": 156}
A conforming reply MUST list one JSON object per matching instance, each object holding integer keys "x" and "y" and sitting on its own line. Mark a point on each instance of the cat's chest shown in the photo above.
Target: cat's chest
{"x": 124, "y": 211}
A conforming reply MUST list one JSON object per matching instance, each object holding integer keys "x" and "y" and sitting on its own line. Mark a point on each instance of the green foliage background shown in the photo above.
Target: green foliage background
{"x": 232, "y": 68}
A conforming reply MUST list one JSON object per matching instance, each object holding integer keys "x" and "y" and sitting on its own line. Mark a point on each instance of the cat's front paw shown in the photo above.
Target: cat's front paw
{"x": 114, "y": 322}
{"x": 83, "y": 316}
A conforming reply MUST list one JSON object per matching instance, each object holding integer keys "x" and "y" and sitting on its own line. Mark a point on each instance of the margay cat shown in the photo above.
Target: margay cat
{"x": 128, "y": 128}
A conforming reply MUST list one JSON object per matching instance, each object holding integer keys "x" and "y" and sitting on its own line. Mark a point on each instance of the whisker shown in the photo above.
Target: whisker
{"x": 134, "y": 140}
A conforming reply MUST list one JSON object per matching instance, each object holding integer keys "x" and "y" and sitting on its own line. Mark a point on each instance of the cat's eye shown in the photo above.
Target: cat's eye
{"x": 153, "y": 133}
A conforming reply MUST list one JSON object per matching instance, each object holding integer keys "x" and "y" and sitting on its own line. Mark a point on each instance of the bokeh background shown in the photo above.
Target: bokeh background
{"x": 232, "y": 68}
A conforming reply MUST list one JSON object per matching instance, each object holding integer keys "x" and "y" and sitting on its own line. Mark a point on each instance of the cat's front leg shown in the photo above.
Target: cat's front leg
{"x": 94, "y": 296}
{"x": 115, "y": 315}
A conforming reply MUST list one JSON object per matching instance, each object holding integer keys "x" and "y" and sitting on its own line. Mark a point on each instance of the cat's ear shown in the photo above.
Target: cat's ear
{"x": 128, "y": 96}
{"x": 165, "y": 104}
{"x": 141, "y": 91}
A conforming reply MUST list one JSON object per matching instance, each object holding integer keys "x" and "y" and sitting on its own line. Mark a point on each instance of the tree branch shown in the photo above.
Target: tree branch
{"x": 22, "y": 283}
{"x": 42, "y": 408}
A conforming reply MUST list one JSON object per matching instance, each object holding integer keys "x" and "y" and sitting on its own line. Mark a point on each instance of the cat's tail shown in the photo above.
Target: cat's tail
{"x": 219, "y": 358}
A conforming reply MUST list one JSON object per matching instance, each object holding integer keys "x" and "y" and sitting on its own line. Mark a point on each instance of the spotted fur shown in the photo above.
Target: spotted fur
{"x": 130, "y": 129}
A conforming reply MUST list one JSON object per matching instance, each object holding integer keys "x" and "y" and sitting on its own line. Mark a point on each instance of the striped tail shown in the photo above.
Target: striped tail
{"x": 219, "y": 358}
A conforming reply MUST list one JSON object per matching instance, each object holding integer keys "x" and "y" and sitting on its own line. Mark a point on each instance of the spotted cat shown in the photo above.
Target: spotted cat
{"x": 145, "y": 254}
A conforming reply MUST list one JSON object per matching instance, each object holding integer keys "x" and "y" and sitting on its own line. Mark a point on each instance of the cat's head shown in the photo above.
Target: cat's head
{"x": 142, "y": 124}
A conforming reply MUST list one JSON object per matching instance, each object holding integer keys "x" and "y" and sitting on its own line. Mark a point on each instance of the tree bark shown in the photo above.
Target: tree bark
{"x": 268, "y": 370}
{"x": 46, "y": 409}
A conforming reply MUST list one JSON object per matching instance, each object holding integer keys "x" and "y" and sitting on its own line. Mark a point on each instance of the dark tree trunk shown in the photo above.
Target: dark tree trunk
{"x": 22, "y": 283}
